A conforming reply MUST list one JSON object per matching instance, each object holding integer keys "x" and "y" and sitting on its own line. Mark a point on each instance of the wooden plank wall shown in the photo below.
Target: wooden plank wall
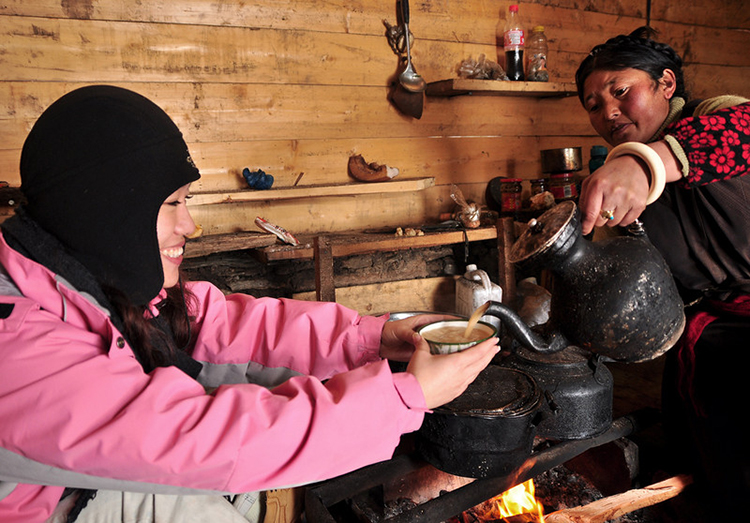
{"x": 295, "y": 88}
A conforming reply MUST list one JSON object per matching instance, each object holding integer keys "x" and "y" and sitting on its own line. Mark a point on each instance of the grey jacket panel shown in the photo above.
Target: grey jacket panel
{"x": 214, "y": 374}
{"x": 15, "y": 468}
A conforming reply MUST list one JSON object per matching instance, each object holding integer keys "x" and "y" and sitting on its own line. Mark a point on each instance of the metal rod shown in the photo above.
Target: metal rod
{"x": 332, "y": 491}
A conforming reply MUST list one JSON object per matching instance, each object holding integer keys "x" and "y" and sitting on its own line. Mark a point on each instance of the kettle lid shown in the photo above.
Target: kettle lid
{"x": 548, "y": 232}
{"x": 497, "y": 392}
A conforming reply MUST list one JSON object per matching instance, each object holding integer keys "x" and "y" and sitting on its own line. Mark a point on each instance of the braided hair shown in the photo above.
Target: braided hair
{"x": 636, "y": 50}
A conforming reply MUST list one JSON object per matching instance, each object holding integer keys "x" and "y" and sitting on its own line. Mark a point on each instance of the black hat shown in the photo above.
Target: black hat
{"x": 95, "y": 170}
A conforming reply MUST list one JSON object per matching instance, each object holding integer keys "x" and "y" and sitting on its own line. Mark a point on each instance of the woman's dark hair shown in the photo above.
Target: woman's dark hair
{"x": 155, "y": 343}
{"x": 637, "y": 50}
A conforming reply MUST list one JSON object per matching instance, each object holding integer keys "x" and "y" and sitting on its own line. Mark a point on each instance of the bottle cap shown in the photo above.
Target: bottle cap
{"x": 538, "y": 29}
{"x": 513, "y": 8}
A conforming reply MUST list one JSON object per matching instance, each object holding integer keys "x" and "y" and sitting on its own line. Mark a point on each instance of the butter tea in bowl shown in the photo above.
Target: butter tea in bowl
{"x": 448, "y": 336}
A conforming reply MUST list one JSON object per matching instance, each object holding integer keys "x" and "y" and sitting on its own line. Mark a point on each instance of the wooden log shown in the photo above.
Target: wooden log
{"x": 612, "y": 507}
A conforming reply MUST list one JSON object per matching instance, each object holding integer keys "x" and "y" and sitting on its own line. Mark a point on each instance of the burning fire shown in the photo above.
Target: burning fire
{"x": 520, "y": 501}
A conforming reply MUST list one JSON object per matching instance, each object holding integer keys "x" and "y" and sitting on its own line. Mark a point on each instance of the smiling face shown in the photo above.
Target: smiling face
{"x": 627, "y": 105}
{"x": 172, "y": 225}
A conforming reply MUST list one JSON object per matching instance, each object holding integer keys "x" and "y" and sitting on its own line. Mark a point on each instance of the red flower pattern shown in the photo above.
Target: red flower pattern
{"x": 704, "y": 139}
{"x": 730, "y": 138}
{"x": 714, "y": 123}
{"x": 717, "y": 145}
{"x": 723, "y": 160}
{"x": 741, "y": 121}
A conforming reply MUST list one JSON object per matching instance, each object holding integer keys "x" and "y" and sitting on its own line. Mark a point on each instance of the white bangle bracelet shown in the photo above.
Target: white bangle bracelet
{"x": 652, "y": 159}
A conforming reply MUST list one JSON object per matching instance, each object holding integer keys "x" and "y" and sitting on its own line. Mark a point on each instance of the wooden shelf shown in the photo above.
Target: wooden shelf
{"x": 270, "y": 248}
{"x": 324, "y": 248}
{"x": 462, "y": 86}
{"x": 235, "y": 241}
{"x": 312, "y": 191}
{"x": 349, "y": 244}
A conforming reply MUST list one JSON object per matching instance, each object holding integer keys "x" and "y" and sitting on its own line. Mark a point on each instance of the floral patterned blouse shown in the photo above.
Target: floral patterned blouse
{"x": 716, "y": 145}
{"x": 701, "y": 224}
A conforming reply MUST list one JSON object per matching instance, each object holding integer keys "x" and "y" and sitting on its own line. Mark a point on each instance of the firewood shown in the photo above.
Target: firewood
{"x": 611, "y": 507}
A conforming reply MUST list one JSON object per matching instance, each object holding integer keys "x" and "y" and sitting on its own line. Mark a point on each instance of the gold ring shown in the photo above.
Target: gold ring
{"x": 607, "y": 215}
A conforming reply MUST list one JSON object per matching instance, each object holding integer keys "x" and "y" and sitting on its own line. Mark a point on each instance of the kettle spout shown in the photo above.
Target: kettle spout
{"x": 522, "y": 333}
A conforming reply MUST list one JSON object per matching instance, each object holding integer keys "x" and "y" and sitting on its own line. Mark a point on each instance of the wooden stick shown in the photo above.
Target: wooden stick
{"x": 609, "y": 508}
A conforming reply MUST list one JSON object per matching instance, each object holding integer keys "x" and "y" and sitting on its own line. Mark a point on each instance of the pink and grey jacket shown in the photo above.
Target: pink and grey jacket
{"x": 77, "y": 409}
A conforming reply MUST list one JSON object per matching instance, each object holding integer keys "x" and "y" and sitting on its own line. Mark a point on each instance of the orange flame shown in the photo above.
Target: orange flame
{"x": 516, "y": 501}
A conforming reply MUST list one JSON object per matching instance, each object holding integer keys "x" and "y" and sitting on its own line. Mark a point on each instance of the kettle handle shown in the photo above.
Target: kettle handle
{"x": 523, "y": 333}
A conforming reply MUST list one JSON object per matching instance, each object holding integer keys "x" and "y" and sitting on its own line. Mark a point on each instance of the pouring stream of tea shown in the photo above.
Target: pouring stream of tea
{"x": 474, "y": 319}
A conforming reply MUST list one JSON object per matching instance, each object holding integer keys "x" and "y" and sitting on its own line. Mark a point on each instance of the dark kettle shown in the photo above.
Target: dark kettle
{"x": 614, "y": 297}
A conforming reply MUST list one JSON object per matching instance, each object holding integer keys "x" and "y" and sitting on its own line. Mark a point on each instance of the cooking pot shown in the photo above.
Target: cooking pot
{"x": 488, "y": 430}
{"x": 577, "y": 389}
{"x": 562, "y": 160}
{"x": 615, "y": 297}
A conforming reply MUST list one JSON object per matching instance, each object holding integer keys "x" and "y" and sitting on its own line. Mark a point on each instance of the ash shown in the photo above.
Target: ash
{"x": 559, "y": 488}
{"x": 397, "y": 507}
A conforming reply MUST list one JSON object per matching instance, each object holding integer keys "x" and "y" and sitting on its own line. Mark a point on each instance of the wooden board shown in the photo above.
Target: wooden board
{"x": 296, "y": 88}
{"x": 236, "y": 241}
{"x": 428, "y": 294}
{"x": 459, "y": 86}
{"x": 351, "y": 244}
{"x": 312, "y": 191}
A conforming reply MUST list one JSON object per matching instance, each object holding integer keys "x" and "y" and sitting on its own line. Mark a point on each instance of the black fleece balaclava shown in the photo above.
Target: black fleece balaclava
{"x": 95, "y": 170}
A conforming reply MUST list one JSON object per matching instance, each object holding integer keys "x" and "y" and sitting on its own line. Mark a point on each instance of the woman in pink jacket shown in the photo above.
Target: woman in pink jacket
{"x": 128, "y": 393}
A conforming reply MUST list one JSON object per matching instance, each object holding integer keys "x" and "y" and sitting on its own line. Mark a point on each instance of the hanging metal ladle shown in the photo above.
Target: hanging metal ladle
{"x": 409, "y": 78}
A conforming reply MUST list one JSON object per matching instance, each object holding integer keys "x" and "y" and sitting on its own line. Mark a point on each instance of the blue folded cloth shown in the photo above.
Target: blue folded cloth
{"x": 257, "y": 179}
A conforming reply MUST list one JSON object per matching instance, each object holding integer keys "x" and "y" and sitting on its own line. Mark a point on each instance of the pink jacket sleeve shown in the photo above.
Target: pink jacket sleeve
{"x": 316, "y": 338}
{"x": 81, "y": 402}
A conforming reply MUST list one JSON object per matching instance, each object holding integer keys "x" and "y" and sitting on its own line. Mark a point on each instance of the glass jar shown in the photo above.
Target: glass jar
{"x": 539, "y": 185}
{"x": 563, "y": 187}
{"x": 510, "y": 196}
{"x": 536, "y": 56}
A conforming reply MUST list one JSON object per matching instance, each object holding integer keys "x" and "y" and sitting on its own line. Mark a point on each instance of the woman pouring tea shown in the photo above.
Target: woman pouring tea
{"x": 679, "y": 165}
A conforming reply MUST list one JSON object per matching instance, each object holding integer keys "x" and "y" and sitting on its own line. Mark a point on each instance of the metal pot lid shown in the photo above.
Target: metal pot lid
{"x": 571, "y": 356}
{"x": 553, "y": 228}
{"x": 497, "y": 392}
{"x": 400, "y": 315}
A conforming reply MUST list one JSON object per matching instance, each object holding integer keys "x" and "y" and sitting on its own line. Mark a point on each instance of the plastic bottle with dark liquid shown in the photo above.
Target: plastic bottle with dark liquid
{"x": 514, "y": 65}
{"x": 513, "y": 44}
